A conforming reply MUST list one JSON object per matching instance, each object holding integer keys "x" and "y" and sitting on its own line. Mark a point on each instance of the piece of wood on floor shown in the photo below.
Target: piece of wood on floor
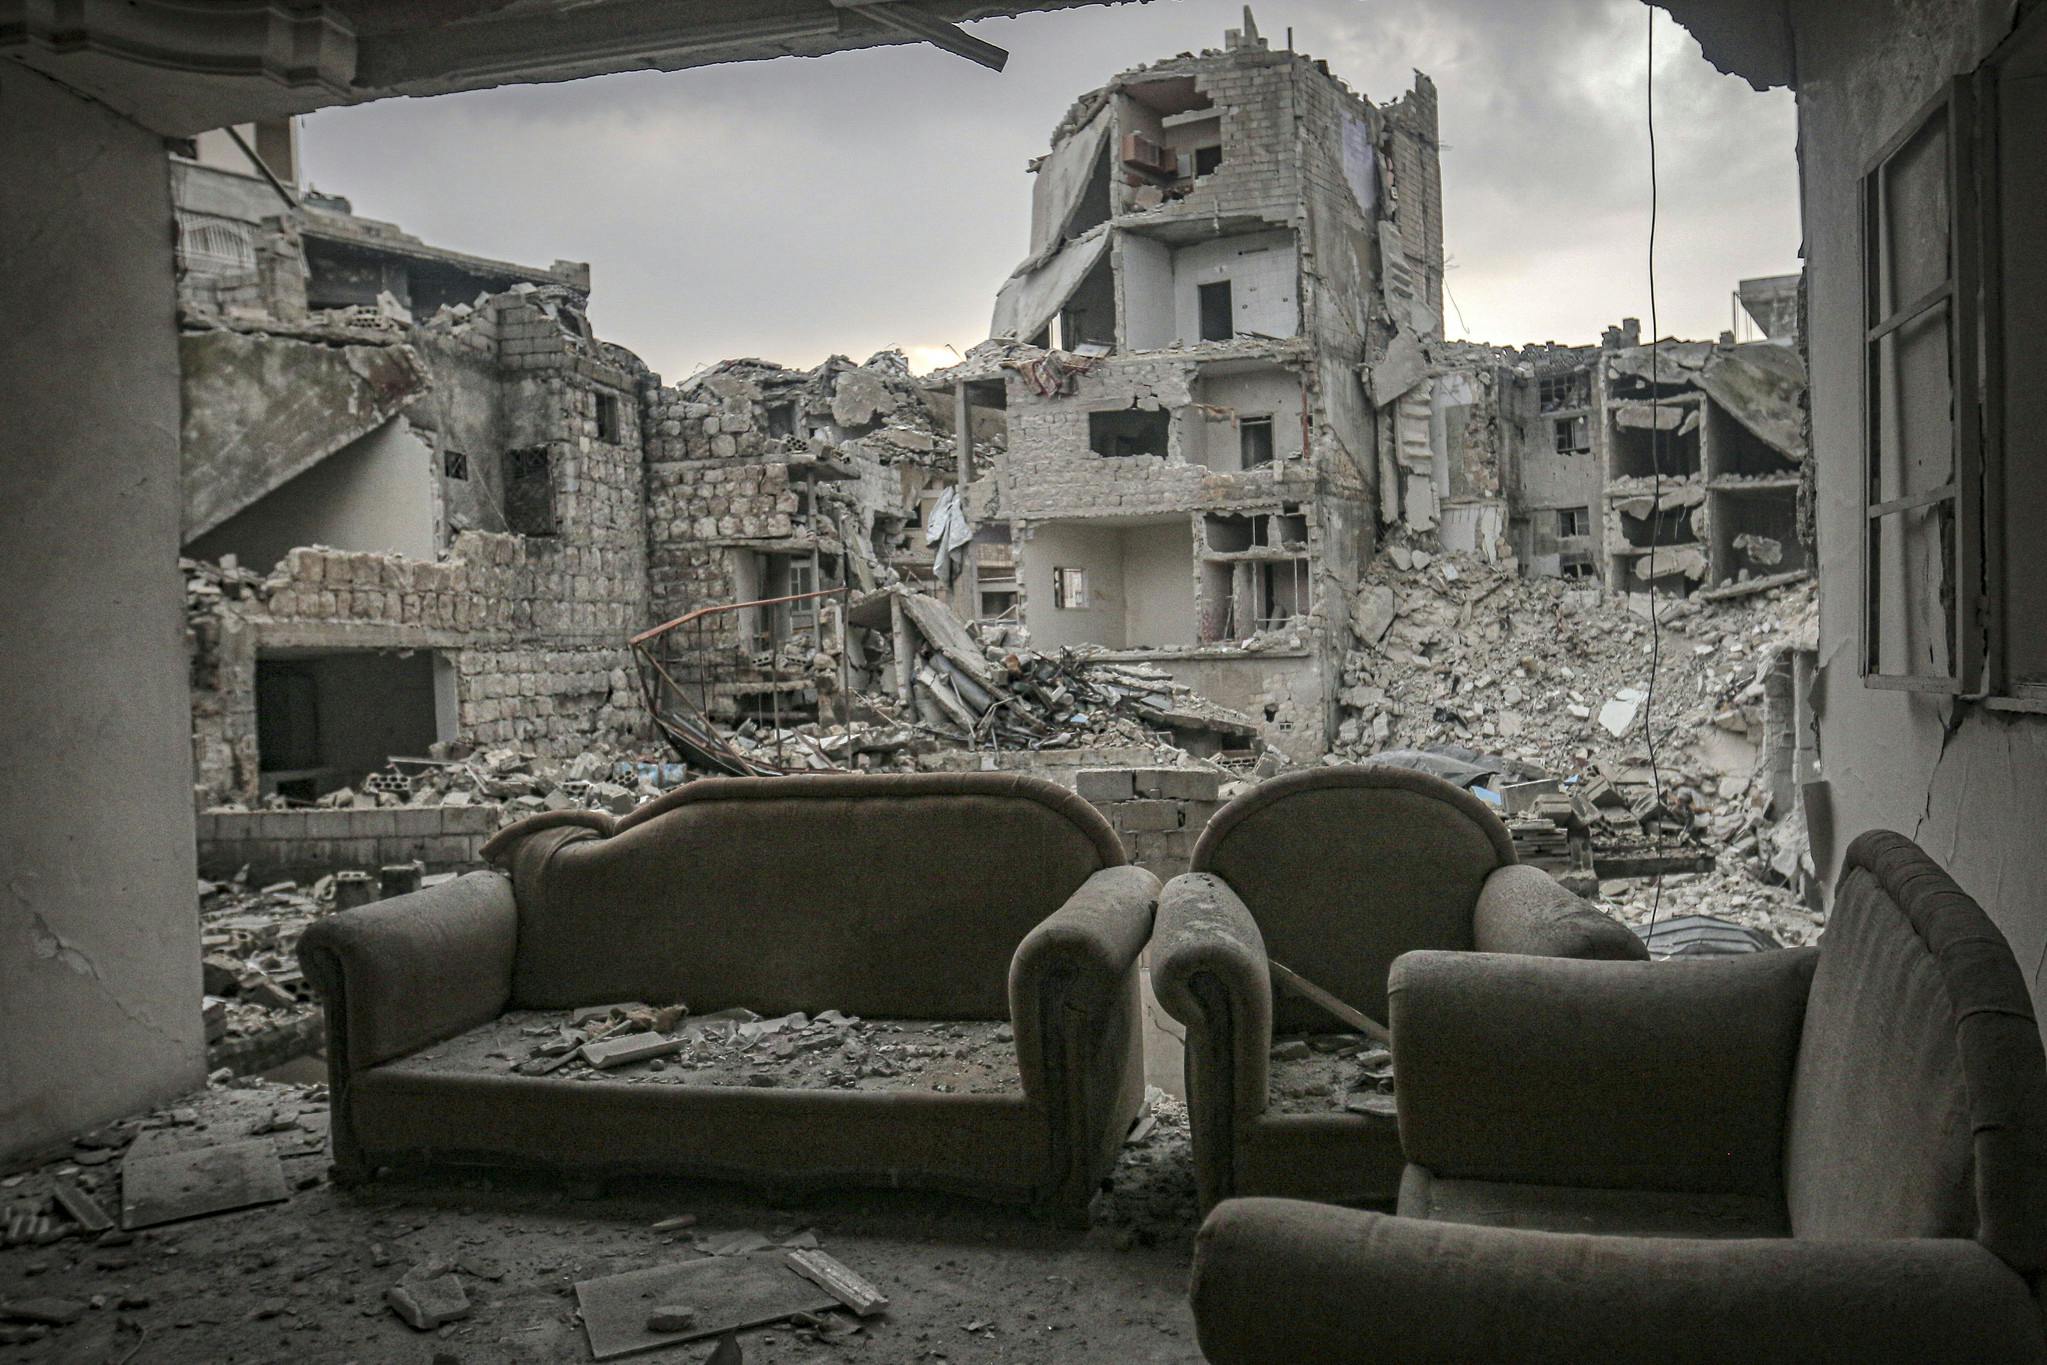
{"x": 729, "y": 1293}
{"x": 855, "y": 1291}
{"x": 83, "y": 1208}
{"x": 162, "y": 1186}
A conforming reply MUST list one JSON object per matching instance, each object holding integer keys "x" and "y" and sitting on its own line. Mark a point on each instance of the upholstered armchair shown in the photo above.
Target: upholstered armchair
{"x": 1817, "y": 1154}
{"x": 1332, "y": 872}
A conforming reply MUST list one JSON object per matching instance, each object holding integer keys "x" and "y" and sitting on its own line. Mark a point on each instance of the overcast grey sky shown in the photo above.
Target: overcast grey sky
{"x": 794, "y": 208}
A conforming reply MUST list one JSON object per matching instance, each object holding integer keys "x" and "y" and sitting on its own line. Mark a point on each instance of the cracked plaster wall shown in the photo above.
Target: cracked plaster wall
{"x": 1970, "y": 784}
{"x": 99, "y": 943}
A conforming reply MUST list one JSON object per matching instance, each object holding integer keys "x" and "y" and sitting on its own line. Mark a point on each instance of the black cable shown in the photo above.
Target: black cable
{"x": 1655, "y": 466}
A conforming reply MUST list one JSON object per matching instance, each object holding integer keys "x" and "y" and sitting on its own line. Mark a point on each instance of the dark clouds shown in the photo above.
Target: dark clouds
{"x": 790, "y": 209}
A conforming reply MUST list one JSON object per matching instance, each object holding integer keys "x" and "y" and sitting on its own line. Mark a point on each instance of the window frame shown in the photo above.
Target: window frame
{"x": 1959, "y": 294}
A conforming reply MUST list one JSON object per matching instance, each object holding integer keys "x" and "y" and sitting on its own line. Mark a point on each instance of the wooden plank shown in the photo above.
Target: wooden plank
{"x": 1315, "y": 995}
{"x": 729, "y": 1294}
{"x": 855, "y": 1291}
{"x": 83, "y": 1208}
{"x": 159, "y": 1186}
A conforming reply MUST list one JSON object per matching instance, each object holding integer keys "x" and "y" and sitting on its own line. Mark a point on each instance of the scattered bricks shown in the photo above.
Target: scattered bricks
{"x": 1104, "y": 784}
{"x": 428, "y": 1302}
{"x": 352, "y": 888}
{"x": 219, "y": 975}
{"x": 1140, "y": 816}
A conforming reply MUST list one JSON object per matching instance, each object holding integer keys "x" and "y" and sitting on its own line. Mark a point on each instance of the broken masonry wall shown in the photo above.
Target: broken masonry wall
{"x": 1967, "y": 781}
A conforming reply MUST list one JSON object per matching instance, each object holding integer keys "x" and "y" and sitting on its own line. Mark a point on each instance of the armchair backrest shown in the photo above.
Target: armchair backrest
{"x": 1919, "y": 1100}
{"x": 1346, "y": 868}
{"x": 897, "y": 895}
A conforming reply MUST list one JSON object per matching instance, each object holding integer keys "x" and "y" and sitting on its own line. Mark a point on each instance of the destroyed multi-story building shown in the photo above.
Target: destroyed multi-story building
{"x": 1673, "y": 465}
{"x": 461, "y": 502}
{"x": 1218, "y": 241}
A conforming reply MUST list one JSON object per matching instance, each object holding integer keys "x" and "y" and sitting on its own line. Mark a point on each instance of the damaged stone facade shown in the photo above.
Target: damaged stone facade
{"x": 1218, "y": 242}
{"x": 471, "y": 502}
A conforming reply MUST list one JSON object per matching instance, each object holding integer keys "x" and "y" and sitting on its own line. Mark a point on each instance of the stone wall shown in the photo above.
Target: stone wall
{"x": 303, "y": 844}
{"x": 1159, "y": 813}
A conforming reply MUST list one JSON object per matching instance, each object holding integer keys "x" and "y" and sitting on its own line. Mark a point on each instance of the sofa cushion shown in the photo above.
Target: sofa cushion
{"x": 1565, "y": 1208}
{"x": 1919, "y": 1102}
{"x": 1346, "y": 868}
{"x": 896, "y": 895}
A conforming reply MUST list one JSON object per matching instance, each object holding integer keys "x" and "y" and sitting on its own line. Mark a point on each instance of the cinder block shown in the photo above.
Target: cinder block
{"x": 373, "y": 824}
{"x": 469, "y": 819}
{"x": 1195, "y": 815}
{"x": 1103, "y": 784}
{"x": 1140, "y": 816}
{"x": 1190, "y": 784}
{"x": 1148, "y": 781}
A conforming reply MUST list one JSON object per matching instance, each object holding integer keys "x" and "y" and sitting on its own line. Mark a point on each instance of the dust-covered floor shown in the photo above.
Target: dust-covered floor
{"x": 305, "y": 1280}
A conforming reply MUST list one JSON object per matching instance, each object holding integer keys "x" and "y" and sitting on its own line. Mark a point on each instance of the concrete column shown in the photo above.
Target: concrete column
{"x": 99, "y": 931}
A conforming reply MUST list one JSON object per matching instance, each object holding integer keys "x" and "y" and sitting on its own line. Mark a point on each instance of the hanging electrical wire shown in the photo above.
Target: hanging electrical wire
{"x": 1655, "y": 461}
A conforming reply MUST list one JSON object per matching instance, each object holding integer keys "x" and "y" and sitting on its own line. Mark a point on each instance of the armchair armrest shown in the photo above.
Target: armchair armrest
{"x": 1521, "y": 909}
{"x": 1280, "y": 1280}
{"x": 1619, "y": 1075}
{"x": 403, "y": 973}
{"x": 1073, "y": 999}
{"x": 1209, "y": 971}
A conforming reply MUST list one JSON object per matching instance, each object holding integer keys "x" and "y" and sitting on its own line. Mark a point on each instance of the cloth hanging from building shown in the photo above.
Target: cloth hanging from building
{"x": 1031, "y": 299}
{"x": 1062, "y": 181}
{"x": 948, "y": 533}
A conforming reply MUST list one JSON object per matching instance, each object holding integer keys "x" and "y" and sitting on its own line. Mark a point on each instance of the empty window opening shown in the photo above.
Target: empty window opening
{"x": 1206, "y": 159}
{"x": 1069, "y": 589}
{"x": 327, "y": 721}
{"x": 455, "y": 464}
{"x": 1128, "y": 431}
{"x": 1243, "y": 597}
{"x": 1218, "y": 313}
{"x": 1254, "y": 439}
{"x": 1561, "y": 392}
{"x": 1574, "y": 521}
{"x": 1575, "y": 566}
{"x": 607, "y": 418}
{"x": 529, "y": 492}
{"x": 1654, "y": 438}
{"x": 1229, "y": 534}
{"x": 781, "y": 420}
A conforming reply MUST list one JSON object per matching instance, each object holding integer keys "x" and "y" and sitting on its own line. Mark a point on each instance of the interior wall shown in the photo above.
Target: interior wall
{"x": 1072, "y": 545}
{"x": 1974, "y": 796}
{"x": 1144, "y": 276}
{"x": 375, "y": 496}
{"x": 1158, "y": 585}
{"x": 1263, "y": 269}
{"x": 1260, "y": 393}
{"x": 99, "y": 938}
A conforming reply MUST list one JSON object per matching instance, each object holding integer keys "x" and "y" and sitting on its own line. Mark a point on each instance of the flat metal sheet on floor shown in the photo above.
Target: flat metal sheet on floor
{"x": 162, "y": 1185}
{"x": 729, "y": 1294}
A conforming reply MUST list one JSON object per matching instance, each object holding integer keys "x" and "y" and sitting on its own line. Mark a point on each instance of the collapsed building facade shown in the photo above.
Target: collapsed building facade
{"x": 1217, "y": 243}
{"x": 431, "y": 504}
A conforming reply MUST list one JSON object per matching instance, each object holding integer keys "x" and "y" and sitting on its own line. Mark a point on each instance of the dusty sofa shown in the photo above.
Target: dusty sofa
{"x": 974, "y": 896}
{"x": 1818, "y": 1154}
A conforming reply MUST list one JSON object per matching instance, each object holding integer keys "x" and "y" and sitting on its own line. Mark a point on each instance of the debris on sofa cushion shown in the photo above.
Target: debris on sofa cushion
{"x": 1330, "y": 1073}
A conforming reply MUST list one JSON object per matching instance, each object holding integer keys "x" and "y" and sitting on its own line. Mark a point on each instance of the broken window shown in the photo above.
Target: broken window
{"x": 1921, "y": 446}
{"x": 781, "y": 420}
{"x": 1218, "y": 314}
{"x": 607, "y": 418}
{"x": 1128, "y": 431}
{"x": 1069, "y": 589}
{"x": 1206, "y": 159}
{"x": 1561, "y": 392}
{"x": 1572, "y": 435}
{"x": 529, "y": 492}
{"x": 1574, "y": 521}
{"x": 1254, "y": 439}
{"x": 455, "y": 464}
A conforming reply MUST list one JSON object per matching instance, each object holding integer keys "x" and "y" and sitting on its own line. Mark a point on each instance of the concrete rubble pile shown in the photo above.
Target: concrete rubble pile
{"x": 1536, "y": 693}
{"x": 984, "y": 687}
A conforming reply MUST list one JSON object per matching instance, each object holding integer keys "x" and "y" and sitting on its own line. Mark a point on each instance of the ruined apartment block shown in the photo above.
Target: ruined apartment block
{"x": 1675, "y": 466}
{"x": 444, "y": 467}
{"x": 1217, "y": 243}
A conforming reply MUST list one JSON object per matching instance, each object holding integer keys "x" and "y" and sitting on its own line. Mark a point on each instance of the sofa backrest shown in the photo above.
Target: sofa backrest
{"x": 1346, "y": 868}
{"x": 1919, "y": 1100}
{"x": 898, "y": 895}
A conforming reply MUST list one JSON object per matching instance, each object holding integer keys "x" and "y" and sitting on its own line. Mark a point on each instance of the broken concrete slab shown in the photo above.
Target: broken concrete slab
{"x": 162, "y": 1184}
{"x": 729, "y": 1294}
{"x": 634, "y": 1047}
{"x": 427, "y": 1301}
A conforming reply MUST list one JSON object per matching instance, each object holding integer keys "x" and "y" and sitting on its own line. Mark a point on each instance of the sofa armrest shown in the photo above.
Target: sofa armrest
{"x": 1074, "y": 1002}
{"x": 403, "y": 973}
{"x": 1521, "y": 909}
{"x": 1209, "y": 971}
{"x": 1617, "y": 1075}
{"x": 1280, "y": 1280}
